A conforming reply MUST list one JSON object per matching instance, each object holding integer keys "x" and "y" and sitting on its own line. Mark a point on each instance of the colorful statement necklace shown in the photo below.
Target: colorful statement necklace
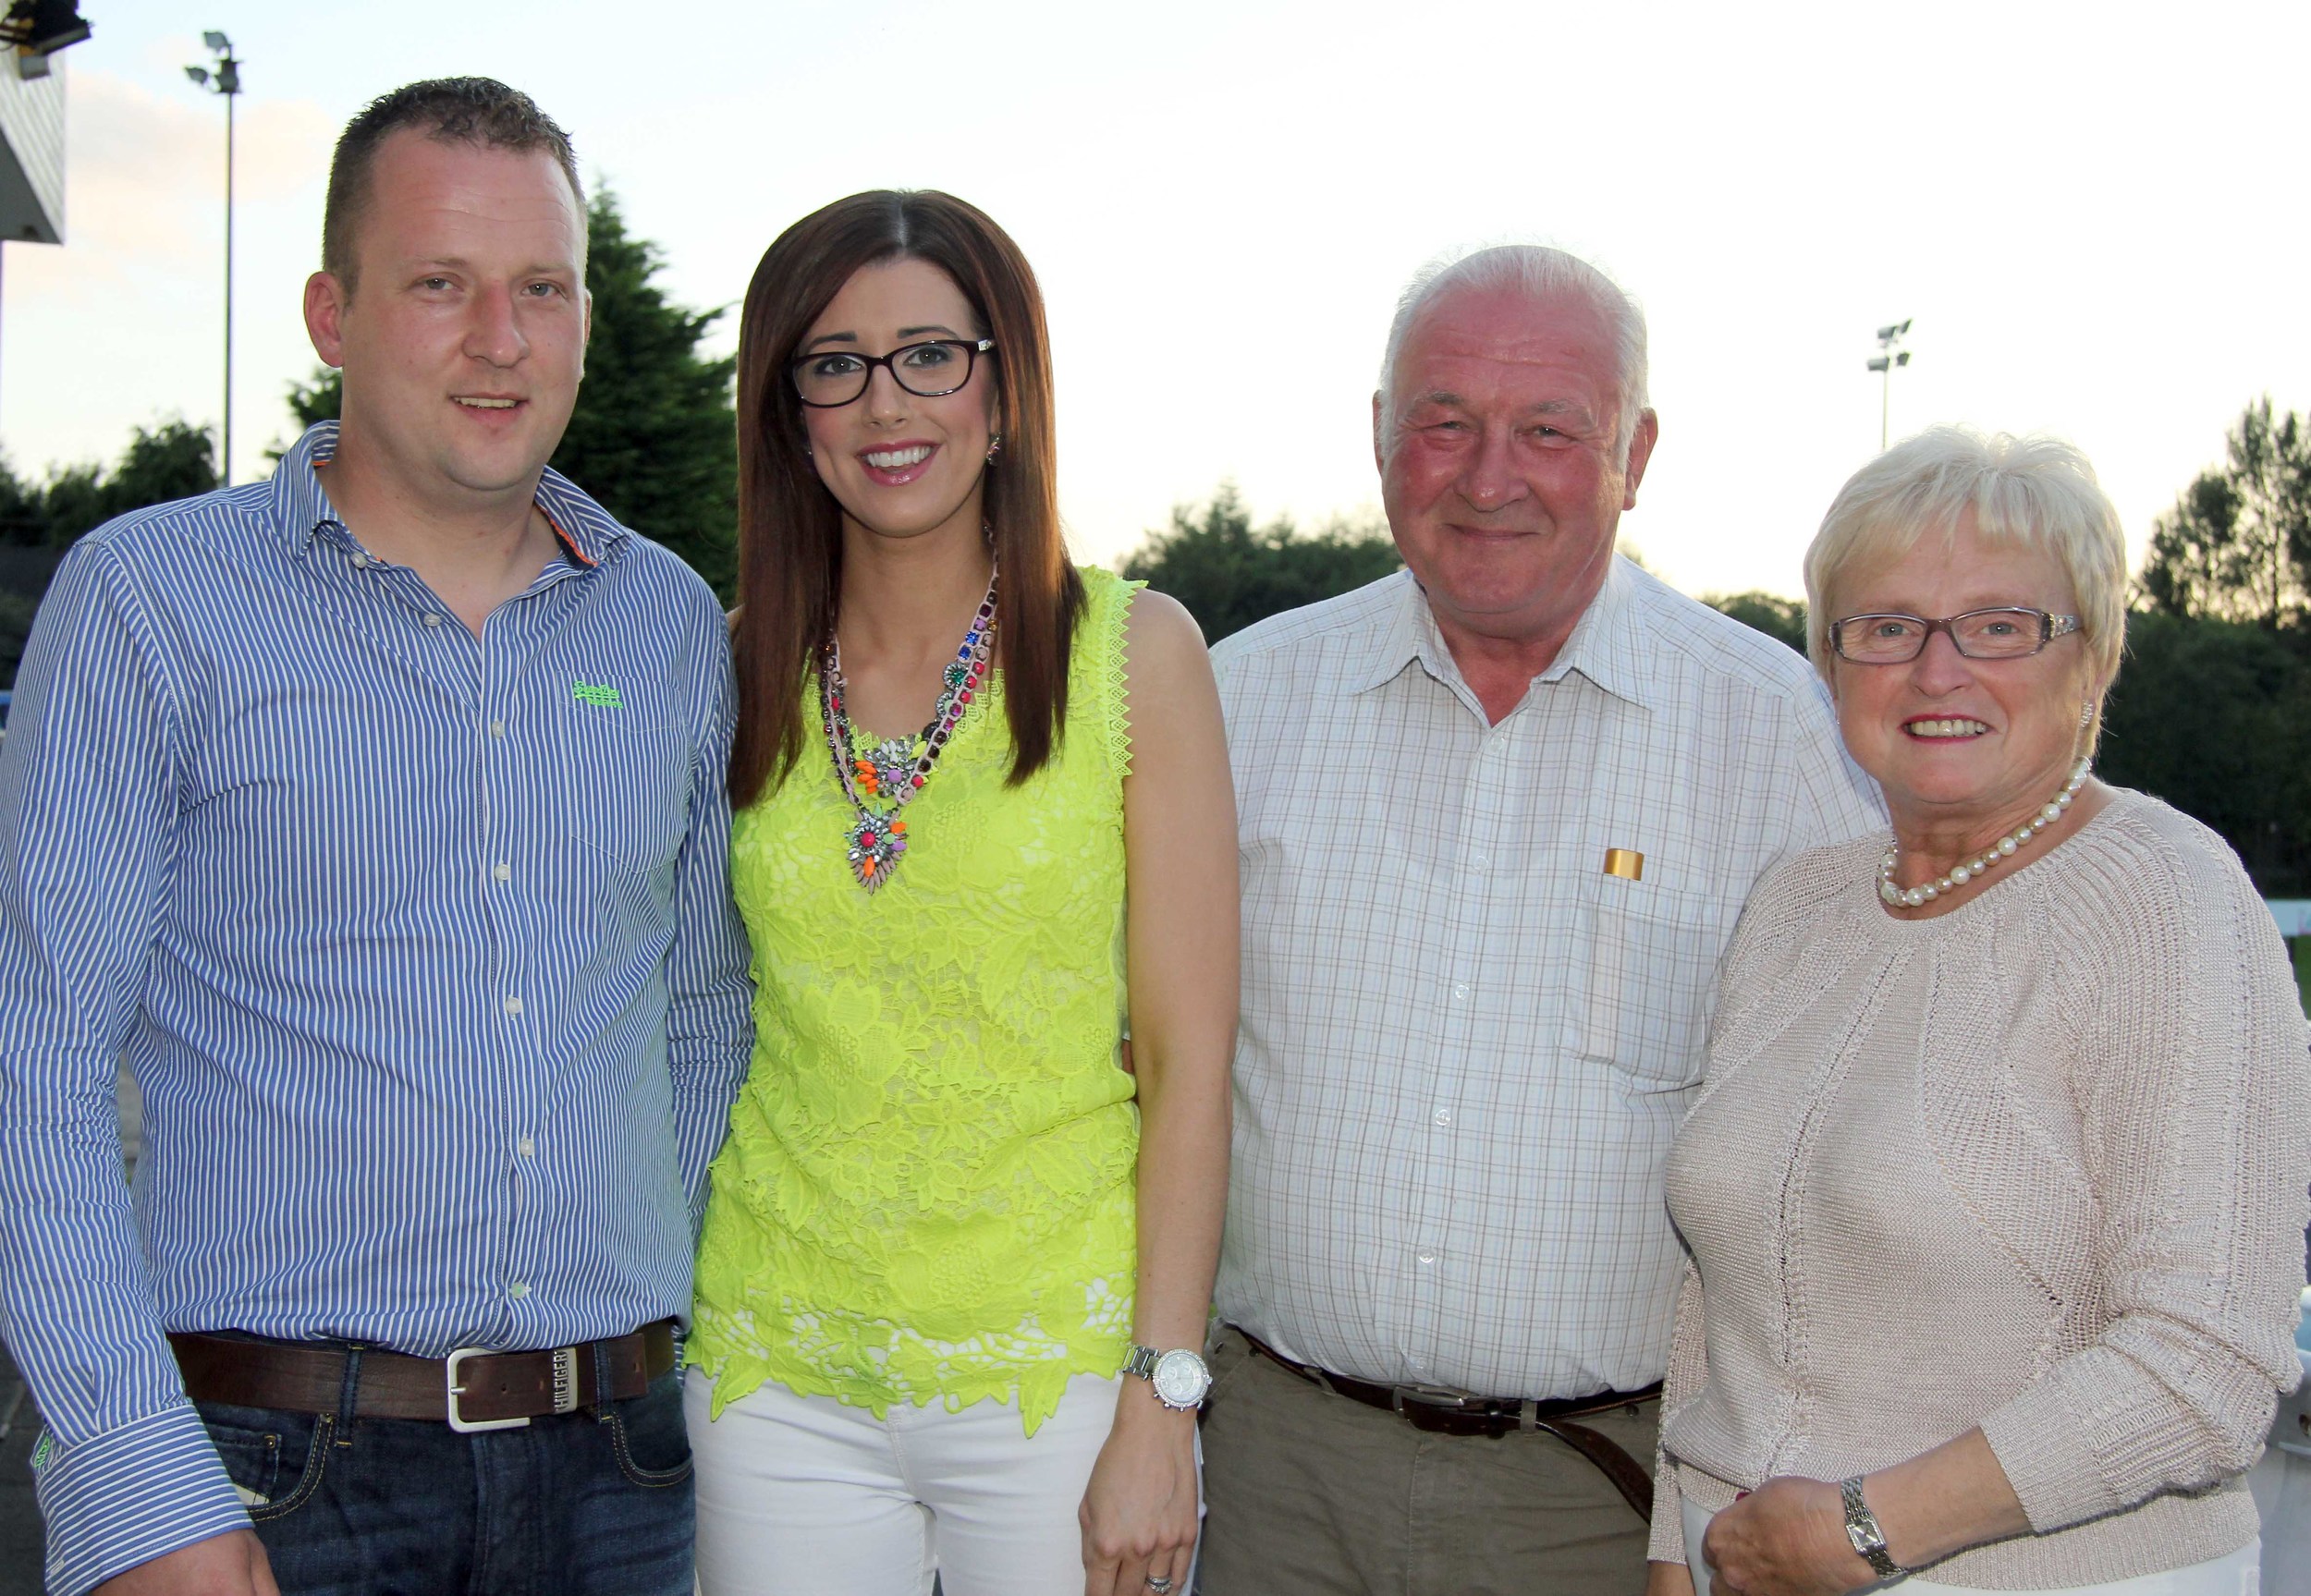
{"x": 893, "y": 772}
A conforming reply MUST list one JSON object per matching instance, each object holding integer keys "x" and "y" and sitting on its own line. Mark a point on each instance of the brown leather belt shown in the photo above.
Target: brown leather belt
{"x": 1450, "y": 1412}
{"x": 473, "y": 1388}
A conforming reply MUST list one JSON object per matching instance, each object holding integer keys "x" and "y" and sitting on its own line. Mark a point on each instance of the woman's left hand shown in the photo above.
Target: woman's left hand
{"x": 1139, "y": 1513}
{"x": 1787, "y": 1538}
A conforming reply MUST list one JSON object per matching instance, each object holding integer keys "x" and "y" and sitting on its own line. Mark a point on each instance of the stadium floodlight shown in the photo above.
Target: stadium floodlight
{"x": 1883, "y": 361}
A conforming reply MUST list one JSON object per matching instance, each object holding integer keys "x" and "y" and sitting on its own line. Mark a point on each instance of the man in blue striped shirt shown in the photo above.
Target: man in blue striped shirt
{"x": 375, "y": 815}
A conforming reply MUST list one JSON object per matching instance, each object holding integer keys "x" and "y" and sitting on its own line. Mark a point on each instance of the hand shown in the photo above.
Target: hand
{"x": 228, "y": 1564}
{"x": 1787, "y": 1538}
{"x": 1671, "y": 1578}
{"x": 1139, "y": 1513}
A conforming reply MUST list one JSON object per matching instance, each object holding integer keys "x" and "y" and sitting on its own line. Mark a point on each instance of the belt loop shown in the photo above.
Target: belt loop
{"x": 1528, "y": 1415}
{"x": 603, "y": 1385}
{"x": 350, "y": 1393}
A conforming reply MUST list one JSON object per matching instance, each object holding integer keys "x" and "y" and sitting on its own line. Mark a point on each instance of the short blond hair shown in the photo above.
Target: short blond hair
{"x": 2034, "y": 491}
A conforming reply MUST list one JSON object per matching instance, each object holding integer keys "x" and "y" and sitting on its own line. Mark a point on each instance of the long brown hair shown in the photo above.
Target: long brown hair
{"x": 790, "y": 526}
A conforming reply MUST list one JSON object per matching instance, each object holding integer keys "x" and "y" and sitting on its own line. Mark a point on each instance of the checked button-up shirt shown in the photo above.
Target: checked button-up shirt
{"x": 417, "y": 943}
{"x": 1478, "y": 963}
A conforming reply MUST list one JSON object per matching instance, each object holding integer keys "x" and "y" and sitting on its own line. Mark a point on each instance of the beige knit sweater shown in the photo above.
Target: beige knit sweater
{"x": 2038, "y": 1165}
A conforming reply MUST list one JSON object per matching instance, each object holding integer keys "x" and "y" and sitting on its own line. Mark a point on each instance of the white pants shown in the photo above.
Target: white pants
{"x": 2240, "y": 1574}
{"x": 804, "y": 1496}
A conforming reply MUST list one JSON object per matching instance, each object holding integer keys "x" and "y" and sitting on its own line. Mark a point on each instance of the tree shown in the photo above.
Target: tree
{"x": 654, "y": 436}
{"x": 171, "y": 461}
{"x": 1229, "y": 576}
{"x": 2215, "y": 717}
{"x": 2237, "y": 544}
{"x": 1780, "y": 620}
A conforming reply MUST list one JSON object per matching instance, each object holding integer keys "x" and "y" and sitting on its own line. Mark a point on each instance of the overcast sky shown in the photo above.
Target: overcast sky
{"x": 2094, "y": 212}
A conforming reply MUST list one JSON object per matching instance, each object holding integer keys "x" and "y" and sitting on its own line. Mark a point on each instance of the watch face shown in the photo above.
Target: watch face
{"x": 1181, "y": 1379}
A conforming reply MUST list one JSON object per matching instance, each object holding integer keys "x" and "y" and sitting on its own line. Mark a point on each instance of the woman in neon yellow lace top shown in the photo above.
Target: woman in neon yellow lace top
{"x": 948, "y": 1214}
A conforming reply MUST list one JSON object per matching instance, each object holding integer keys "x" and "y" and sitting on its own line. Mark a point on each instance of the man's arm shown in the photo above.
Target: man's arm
{"x": 710, "y": 1024}
{"x": 88, "y": 825}
{"x": 1835, "y": 799}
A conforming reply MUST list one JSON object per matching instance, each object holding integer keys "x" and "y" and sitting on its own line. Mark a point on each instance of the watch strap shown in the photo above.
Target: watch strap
{"x": 1862, "y": 1528}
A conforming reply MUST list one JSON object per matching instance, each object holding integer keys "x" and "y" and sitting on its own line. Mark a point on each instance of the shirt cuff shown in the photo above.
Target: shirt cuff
{"x": 127, "y": 1496}
{"x": 2048, "y": 1457}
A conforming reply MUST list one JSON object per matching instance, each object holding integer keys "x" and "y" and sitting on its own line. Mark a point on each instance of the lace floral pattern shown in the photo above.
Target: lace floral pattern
{"x": 927, "y": 1191}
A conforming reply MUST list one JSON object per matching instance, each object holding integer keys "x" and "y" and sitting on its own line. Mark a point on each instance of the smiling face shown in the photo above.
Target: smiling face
{"x": 1970, "y": 745}
{"x": 463, "y": 347}
{"x": 898, "y": 463}
{"x": 1500, "y": 464}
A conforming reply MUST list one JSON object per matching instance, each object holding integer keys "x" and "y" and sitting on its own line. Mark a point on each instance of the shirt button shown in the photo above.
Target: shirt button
{"x": 357, "y": 560}
{"x": 497, "y": 728}
{"x": 1442, "y": 1117}
{"x": 432, "y": 619}
{"x": 1478, "y": 861}
{"x": 502, "y": 871}
{"x": 518, "y": 1289}
{"x": 1459, "y": 991}
{"x": 527, "y": 1147}
{"x": 1427, "y": 1258}
{"x": 513, "y": 1005}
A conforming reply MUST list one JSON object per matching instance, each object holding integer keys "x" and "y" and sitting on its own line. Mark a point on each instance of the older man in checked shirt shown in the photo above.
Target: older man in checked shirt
{"x": 375, "y": 814}
{"x": 1498, "y": 814}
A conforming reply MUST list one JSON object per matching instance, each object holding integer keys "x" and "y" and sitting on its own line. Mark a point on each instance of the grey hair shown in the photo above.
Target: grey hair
{"x": 2033, "y": 492}
{"x": 1538, "y": 272}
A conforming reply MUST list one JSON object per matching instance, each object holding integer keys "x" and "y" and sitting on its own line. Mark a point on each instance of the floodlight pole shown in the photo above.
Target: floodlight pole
{"x": 226, "y": 82}
{"x": 1891, "y": 354}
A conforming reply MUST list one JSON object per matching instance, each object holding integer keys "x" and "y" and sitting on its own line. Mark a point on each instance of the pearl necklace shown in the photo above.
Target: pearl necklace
{"x": 1996, "y": 853}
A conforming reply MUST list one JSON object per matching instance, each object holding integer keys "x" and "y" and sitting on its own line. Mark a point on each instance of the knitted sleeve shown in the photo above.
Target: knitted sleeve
{"x": 2194, "y": 1088}
{"x": 1688, "y": 1372}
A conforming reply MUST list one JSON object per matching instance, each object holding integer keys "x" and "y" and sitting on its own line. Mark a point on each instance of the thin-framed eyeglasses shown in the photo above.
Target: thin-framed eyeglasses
{"x": 2008, "y": 632}
{"x": 829, "y": 379}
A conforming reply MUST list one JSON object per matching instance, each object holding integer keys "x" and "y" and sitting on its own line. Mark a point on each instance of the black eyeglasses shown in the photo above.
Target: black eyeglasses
{"x": 2010, "y": 632}
{"x": 832, "y": 378}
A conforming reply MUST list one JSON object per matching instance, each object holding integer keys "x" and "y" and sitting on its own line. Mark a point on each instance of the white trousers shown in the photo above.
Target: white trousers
{"x": 804, "y": 1496}
{"x": 2240, "y": 1574}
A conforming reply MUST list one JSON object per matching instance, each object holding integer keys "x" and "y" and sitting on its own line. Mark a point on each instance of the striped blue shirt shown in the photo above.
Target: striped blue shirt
{"x": 420, "y": 945}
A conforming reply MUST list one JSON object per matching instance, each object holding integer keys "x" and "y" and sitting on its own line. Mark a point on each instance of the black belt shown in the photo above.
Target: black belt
{"x": 1448, "y": 1412}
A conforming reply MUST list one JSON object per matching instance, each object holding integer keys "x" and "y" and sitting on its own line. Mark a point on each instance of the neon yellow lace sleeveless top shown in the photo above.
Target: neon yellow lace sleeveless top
{"x": 927, "y": 1192}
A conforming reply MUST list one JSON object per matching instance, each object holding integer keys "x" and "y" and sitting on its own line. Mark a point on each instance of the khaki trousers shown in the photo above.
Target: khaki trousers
{"x": 1312, "y": 1494}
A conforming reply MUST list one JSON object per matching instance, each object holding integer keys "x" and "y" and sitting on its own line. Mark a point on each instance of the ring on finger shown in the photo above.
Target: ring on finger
{"x": 1159, "y": 1583}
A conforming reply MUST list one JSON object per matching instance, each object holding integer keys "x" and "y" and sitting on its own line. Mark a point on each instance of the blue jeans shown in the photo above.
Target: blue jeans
{"x": 595, "y": 1502}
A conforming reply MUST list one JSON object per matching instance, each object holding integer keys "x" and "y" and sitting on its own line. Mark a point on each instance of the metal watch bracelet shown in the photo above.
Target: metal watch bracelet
{"x": 1862, "y": 1528}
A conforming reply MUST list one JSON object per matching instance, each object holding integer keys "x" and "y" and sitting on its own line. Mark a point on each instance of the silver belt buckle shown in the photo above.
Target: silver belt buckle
{"x": 464, "y": 1426}
{"x": 1443, "y": 1397}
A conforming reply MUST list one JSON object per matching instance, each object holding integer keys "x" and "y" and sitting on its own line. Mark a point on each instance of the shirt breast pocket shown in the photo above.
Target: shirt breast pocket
{"x": 625, "y": 786}
{"x": 1653, "y": 957}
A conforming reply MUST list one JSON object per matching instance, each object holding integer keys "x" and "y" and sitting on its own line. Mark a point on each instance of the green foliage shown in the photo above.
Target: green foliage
{"x": 2215, "y": 717}
{"x": 2237, "y": 544}
{"x": 1780, "y": 620}
{"x": 174, "y": 460}
{"x": 37, "y": 520}
{"x": 1229, "y": 576}
{"x": 654, "y": 436}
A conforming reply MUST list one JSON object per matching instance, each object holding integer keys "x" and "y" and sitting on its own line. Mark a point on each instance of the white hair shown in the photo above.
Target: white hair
{"x": 1539, "y": 272}
{"x": 2033, "y": 492}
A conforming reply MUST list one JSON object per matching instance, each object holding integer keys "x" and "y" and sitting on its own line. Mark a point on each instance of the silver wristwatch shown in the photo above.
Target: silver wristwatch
{"x": 1179, "y": 1376}
{"x": 1862, "y": 1530}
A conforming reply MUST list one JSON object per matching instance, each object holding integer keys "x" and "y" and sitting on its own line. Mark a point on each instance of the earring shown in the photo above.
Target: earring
{"x": 994, "y": 446}
{"x": 2085, "y": 714}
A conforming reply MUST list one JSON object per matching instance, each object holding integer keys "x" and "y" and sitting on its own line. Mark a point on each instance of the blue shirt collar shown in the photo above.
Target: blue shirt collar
{"x": 589, "y": 533}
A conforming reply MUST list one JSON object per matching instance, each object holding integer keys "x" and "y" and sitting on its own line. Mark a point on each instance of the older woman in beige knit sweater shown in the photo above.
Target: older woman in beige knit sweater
{"x": 1994, "y": 1192}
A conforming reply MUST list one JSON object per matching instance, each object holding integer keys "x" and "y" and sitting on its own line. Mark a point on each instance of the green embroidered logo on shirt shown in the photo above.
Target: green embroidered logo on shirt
{"x": 605, "y": 698}
{"x": 44, "y": 1454}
